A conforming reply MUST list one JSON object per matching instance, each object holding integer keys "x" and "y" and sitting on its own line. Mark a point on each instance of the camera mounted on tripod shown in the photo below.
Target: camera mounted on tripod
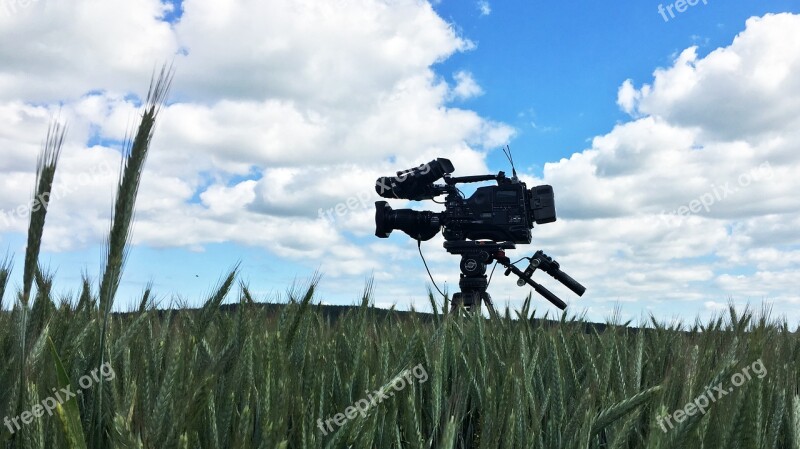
{"x": 505, "y": 212}
{"x": 479, "y": 228}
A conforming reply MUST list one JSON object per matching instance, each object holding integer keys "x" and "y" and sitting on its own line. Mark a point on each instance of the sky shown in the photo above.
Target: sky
{"x": 668, "y": 131}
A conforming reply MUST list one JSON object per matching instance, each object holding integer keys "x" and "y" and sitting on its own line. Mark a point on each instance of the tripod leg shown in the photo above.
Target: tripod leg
{"x": 490, "y": 306}
{"x": 456, "y": 302}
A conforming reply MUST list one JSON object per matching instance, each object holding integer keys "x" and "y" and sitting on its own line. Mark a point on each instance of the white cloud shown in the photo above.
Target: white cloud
{"x": 484, "y": 7}
{"x": 285, "y": 107}
{"x": 705, "y": 126}
{"x": 280, "y": 108}
{"x": 321, "y": 54}
{"x": 744, "y": 91}
{"x": 628, "y": 96}
{"x": 465, "y": 87}
{"x": 58, "y": 50}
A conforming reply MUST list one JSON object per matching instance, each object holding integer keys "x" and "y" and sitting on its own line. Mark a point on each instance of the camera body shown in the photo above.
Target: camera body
{"x": 501, "y": 213}
{"x": 505, "y": 212}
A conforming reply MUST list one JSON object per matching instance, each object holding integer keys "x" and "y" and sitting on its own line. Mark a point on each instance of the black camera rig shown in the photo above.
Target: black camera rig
{"x": 479, "y": 228}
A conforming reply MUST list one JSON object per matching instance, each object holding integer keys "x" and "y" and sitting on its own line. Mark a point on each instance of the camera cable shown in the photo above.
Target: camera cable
{"x": 489, "y": 282}
{"x": 419, "y": 247}
{"x": 495, "y": 266}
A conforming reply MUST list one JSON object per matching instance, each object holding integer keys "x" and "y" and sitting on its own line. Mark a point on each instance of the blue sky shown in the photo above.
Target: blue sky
{"x": 280, "y": 109}
{"x": 559, "y": 64}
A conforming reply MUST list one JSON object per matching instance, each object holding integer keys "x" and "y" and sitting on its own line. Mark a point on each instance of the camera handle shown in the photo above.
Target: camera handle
{"x": 545, "y": 263}
{"x": 526, "y": 279}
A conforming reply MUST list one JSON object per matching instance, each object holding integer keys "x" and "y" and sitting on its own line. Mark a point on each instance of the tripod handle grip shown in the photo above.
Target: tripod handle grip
{"x": 548, "y": 295}
{"x": 572, "y": 284}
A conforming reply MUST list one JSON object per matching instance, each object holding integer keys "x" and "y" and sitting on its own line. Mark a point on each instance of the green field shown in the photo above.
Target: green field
{"x": 298, "y": 375}
{"x": 266, "y": 378}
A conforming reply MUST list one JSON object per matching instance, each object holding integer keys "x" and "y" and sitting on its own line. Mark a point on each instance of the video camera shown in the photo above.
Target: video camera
{"x": 478, "y": 228}
{"x": 505, "y": 212}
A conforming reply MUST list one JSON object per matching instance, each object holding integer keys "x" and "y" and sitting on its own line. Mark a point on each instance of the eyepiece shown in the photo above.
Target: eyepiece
{"x": 415, "y": 183}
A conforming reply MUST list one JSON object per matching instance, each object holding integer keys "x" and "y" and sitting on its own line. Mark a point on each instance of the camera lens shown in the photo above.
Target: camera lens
{"x": 382, "y": 230}
{"x": 418, "y": 225}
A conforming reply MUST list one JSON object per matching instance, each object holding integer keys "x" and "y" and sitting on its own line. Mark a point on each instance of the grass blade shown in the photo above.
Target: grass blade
{"x": 68, "y": 412}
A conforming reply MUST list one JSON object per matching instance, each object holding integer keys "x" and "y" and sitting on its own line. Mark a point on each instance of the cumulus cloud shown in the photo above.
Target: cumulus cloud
{"x": 465, "y": 87}
{"x": 627, "y": 97}
{"x": 59, "y": 50}
{"x": 321, "y": 54}
{"x": 484, "y": 7}
{"x": 698, "y": 186}
{"x": 280, "y": 109}
{"x": 284, "y": 109}
{"x": 744, "y": 91}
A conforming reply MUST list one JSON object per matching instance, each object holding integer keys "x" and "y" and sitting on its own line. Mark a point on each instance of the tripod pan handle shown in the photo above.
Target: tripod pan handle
{"x": 548, "y": 295}
{"x": 572, "y": 284}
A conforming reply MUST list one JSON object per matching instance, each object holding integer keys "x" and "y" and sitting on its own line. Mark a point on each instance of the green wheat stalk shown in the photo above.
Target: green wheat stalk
{"x": 128, "y": 188}
{"x": 120, "y": 232}
{"x": 45, "y": 172}
{"x": 5, "y": 272}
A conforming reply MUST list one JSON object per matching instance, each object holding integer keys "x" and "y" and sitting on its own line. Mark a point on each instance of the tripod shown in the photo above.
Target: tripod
{"x": 476, "y": 255}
